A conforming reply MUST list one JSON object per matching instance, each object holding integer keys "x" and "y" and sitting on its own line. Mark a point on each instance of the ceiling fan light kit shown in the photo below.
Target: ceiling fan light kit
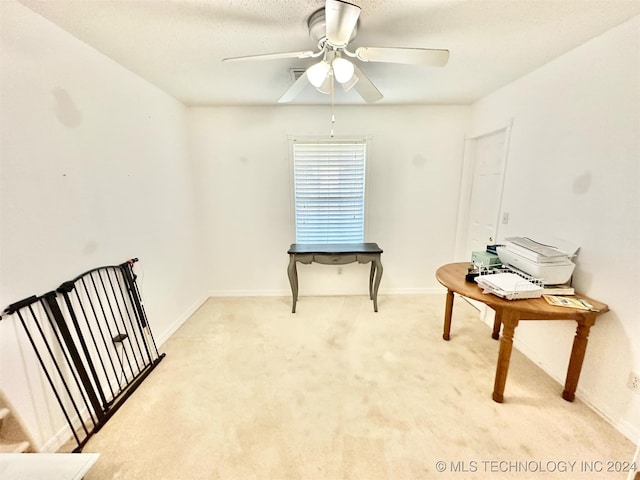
{"x": 332, "y": 28}
{"x": 343, "y": 69}
{"x": 340, "y": 68}
{"x": 327, "y": 86}
{"x": 318, "y": 72}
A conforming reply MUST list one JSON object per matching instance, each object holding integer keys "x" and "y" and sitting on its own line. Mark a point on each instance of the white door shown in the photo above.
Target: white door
{"x": 488, "y": 154}
{"x": 486, "y": 157}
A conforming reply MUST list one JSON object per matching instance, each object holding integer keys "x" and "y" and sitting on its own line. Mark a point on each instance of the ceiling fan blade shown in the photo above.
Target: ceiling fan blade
{"x": 341, "y": 19}
{"x": 414, "y": 56}
{"x": 349, "y": 84}
{"x": 365, "y": 88}
{"x": 295, "y": 89}
{"x": 271, "y": 56}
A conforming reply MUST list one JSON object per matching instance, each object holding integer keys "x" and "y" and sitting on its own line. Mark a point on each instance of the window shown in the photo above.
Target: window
{"x": 329, "y": 184}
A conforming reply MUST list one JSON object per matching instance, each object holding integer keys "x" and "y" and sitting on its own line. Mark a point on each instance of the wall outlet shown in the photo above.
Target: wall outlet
{"x": 634, "y": 382}
{"x": 505, "y": 218}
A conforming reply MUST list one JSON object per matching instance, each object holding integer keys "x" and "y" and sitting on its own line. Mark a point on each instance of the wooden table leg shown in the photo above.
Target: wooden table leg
{"x": 497, "y": 323}
{"x": 292, "y": 271}
{"x": 577, "y": 357}
{"x": 509, "y": 324}
{"x": 448, "y": 311}
{"x": 378, "y": 269}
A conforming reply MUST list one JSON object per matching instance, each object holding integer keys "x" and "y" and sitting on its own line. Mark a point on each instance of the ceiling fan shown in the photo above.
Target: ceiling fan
{"x": 332, "y": 28}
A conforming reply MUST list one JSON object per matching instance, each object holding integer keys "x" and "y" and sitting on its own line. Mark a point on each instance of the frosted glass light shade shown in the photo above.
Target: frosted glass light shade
{"x": 327, "y": 85}
{"x": 318, "y": 72}
{"x": 343, "y": 69}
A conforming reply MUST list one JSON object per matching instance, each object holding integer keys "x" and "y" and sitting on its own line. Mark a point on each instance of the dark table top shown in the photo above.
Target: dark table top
{"x": 334, "y": 248}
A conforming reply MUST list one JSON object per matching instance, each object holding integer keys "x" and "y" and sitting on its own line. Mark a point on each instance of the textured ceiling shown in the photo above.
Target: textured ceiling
{"x": 178, "y": 45}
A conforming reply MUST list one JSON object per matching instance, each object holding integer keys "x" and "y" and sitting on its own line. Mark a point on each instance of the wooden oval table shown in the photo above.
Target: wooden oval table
{"x": 509, "y": 313}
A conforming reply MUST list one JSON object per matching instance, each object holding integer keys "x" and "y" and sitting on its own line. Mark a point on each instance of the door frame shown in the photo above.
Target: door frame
{"x": 466, "y": 184}
{"x": 464, "y": 206}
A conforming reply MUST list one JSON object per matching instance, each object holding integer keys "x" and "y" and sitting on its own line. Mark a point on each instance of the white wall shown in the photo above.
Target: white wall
{"x": 94, "y": 170}
{"x": 414, "y": 168}
{"x": 574, "y": 172}
{"x": 89, "y": 152}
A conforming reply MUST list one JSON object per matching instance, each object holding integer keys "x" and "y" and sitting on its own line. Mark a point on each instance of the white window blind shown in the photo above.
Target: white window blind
{"x": 329, "y": 182}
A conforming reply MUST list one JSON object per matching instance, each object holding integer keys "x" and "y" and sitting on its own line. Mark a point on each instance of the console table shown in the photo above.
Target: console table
{"x": 509, "y": 313}
{"x": 336, "y": 254}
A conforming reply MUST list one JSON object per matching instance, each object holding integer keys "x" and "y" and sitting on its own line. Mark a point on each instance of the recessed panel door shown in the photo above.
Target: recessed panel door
{"x": 489, "y": 157}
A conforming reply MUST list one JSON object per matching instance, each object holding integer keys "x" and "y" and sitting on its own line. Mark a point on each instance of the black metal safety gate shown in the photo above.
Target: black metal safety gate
{"x": 93, "y": 342}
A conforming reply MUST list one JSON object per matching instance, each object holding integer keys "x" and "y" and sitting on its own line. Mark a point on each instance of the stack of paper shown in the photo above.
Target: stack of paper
{"x": 508, "y": 285}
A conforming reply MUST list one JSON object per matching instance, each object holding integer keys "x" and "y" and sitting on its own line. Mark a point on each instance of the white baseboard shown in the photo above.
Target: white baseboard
{"x": 250, "y": 293}
{"x": 57, "y": 441}
{"x": 626, "y": 429}
{"x": 164, "y": 336}
{"x": 325, "y": 292}
{"x": 64, "y": 435}
{"x": 414, "y": 291}
{"x": 630, "y": 431}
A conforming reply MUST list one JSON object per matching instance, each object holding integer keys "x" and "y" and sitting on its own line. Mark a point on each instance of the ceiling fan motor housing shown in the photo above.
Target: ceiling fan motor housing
{"x": 318, "y": 29}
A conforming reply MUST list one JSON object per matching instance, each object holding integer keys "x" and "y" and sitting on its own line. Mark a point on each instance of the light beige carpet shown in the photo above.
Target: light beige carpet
{"x": 250, "y": 391}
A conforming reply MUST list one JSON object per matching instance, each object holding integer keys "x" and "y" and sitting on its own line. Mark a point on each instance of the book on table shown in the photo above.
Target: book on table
{"x": 571, "y": 302}
{"x": 564, "y": 289}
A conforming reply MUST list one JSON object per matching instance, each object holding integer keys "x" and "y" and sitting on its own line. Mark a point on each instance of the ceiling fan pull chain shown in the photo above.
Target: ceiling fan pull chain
{"x": 333, "y": 116}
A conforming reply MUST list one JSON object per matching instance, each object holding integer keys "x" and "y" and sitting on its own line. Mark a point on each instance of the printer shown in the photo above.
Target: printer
{"x": 546, "y": 263}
